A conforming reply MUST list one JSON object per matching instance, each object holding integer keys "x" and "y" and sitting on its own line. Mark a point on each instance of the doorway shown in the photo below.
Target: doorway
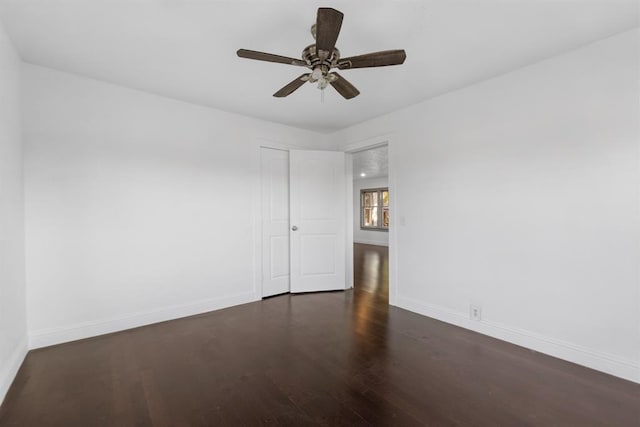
{"x": 371, "y": 221}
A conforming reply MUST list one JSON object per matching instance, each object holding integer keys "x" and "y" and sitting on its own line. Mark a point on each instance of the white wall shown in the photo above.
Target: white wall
{"x": 13, "y": 332}
{"x": 138, "y": 208}
{"x": 520, "y": 194}
{"x": 367, "y": 236}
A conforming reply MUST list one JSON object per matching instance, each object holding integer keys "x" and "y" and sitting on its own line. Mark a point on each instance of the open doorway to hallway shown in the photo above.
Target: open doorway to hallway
{"x": 371, "y": 221}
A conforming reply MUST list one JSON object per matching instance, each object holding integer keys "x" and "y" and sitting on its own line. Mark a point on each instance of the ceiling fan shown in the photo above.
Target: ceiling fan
{"x": 322, "y": 56}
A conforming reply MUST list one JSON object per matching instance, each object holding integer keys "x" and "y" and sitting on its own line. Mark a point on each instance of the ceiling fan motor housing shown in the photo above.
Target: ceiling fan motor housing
{"x": 310, "y": 56}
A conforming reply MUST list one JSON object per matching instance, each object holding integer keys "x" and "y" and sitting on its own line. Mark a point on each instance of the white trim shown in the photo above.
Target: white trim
{"x": 394, "y": 283}
{"x": 594, "y": 359}
{"x": 257, "y": 226}
{"x": 370, "y": 242}
{"x": 348, "y": 167}
{"x": 368, "y": 143}
{"x": 52, "y": 336}
{"x": 276, "y": 145}
{"x": 8, "y": 374}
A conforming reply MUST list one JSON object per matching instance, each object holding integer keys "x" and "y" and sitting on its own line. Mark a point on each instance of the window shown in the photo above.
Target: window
{"x": 374, "y": 209}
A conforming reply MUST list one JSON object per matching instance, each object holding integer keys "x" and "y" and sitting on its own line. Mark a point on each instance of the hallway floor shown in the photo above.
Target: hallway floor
{"x": 337, "y": 358}
{"x": 371, "y": 270}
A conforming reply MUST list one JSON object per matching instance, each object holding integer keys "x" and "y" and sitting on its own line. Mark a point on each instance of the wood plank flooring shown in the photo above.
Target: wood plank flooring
{"x": 342, "y": 358}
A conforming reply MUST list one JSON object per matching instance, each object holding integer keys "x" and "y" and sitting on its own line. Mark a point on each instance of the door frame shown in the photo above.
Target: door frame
{"x": 363, "y": 145}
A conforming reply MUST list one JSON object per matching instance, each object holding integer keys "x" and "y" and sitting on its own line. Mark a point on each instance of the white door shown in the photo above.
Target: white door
{"x": 275, "y": 221}
{"x": 318, "y": 220}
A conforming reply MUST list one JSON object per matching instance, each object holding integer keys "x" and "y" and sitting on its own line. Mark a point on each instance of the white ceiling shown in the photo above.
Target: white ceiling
{"x": 185, "y": 49}
{"x": 373, "y": 163}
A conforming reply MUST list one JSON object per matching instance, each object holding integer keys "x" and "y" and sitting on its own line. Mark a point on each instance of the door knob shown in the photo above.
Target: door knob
{"x": 294, "y": 228}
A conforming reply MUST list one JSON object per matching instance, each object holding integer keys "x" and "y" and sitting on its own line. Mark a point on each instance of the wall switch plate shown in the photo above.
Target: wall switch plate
{"x": 475, "y": 312}
{"x": 403, "y": 220}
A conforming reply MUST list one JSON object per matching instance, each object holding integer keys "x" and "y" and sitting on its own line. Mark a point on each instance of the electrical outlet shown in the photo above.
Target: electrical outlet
{"x": 475, "y": 312}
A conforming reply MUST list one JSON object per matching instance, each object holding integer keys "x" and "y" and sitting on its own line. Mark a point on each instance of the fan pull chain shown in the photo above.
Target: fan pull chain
{"x": 322, "y": 96}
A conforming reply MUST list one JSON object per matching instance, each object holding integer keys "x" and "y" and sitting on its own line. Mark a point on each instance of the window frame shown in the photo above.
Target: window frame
{"x": 380, "y": 208}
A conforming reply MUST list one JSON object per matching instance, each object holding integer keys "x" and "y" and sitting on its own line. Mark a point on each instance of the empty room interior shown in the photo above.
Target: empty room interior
{"x": 319, "y": 213}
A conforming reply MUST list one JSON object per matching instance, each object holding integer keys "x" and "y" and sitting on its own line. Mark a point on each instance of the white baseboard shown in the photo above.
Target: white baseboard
{"x": 370, "y": 242}
{"x": 52, "y": 336}
{"x": 594, "y": 359}
{"x": 9, "y": 372}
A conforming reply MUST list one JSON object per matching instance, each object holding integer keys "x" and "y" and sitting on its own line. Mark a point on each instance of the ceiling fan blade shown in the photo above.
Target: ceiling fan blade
{"x": 374, "y": 59}
{"x": 269, "y": 57}
{"x": 292, "y": 87}
{"x": 328, "y": 25}
{"x": 344, "y": 88}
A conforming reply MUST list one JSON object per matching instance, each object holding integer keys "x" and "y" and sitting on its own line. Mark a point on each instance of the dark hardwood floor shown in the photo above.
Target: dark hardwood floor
{"x": 342, "y": 358}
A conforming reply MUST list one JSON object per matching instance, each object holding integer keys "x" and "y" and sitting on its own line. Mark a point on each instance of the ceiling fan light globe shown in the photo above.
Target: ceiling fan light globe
{"x": 317, "y": 73}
